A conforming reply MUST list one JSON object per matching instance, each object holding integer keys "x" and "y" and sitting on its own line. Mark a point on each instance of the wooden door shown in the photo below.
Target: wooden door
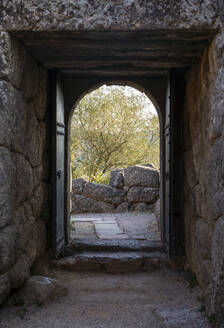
{"x": 58, "y": 168}
{"x": 168, "y": 170}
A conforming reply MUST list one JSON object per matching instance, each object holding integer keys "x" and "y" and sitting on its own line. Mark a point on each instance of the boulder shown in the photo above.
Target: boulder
{"x": 103, "y": 193}
{"x": 4, "y": 287}
{"x": 39, "y": 290}
{"x": 141, "y": 207}
{"x": 141, "y": 176}
{"x": 82, "y": 204}
{"x": 123, "y": 207}
{"x": 78, "y": 185}
{"x": 142, "y": 195}
{"x": 117, "y": 178}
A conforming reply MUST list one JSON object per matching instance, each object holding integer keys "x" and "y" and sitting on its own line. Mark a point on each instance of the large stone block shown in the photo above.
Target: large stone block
{"x": 215, "y": 300}
{"x": 23, "y": 184}
{"x": 78, "y": 186}
{"x": 82, "y": 204}
{"x": 98, "y": 15}
{"x": 12, "y": 56}
{"x": 142, "y": 195}
{"x": 141, "y": 176}
{"x": 4, "y": 287}
{"x": 103, "y": 193}
{"x": 7, "y": 248}
{"x": 35, "y": 137}
{"x": 6, "y": 186}
{"x": 39, "y": 290}
{"x": 117, "y": 178}
{"x": 20, "y": 272}
{"x": 13, "y": 118}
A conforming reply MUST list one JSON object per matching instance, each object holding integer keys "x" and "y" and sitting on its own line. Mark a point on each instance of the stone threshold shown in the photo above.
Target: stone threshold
{"x": 114, "y": 245}
{"x": 113, "y": 262}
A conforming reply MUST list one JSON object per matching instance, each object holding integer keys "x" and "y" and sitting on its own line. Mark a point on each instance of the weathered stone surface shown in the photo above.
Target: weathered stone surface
{"x": 41, "y": 266}
{"x": 39, "y": 290}
{"x": 215, "y": 294}
{"x": 142, "y": 195}
{"x": 7, "y": 248}
{"x": 22, "y": 162}
{"x": 23, "y": 184}
{"x": 81, "y": 204}
{"x": 103, "y": 193}
{"x": 4, "y": 287}
{"x": 98, "y": 15}
{"x": 6, "y": 197}
{"x": 13, "y": 117}
{"x": 157, "y": 209}
{"x": 39, "y": 199}
{"x": 20, "y": 271}
{"x": 141, "y": 207}
{"x": 30, "y": 78}
{"x": 12, "y": 55}
{"x": 123, "y": 207}
{"x": 78, "y": 185}
{"x": 117, "y": 178}
{"x": 40, "y": 102}
{"x": 35, "y": 137}
{"x": 141, "y": 176}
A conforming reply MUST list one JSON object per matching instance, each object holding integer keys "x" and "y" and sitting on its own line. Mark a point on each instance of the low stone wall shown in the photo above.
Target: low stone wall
{"x": 133, "y": 189}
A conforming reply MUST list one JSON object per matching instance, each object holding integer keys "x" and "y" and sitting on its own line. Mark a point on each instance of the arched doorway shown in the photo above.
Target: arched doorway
{"x": 167, "y": 93}
{"x": 115, "y": 127}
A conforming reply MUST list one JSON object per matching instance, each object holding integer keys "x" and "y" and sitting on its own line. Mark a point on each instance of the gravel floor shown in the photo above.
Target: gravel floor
{"x": 137, "y": 225}
{"x": 160, "y": 299}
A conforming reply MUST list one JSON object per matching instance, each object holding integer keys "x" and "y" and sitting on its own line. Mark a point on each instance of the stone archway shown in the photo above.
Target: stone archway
{"x": 123, "y": 206}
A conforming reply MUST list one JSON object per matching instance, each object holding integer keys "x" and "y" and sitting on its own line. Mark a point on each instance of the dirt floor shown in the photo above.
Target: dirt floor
{"x": 131, "y": 225}
{"x": 162, "y": 299}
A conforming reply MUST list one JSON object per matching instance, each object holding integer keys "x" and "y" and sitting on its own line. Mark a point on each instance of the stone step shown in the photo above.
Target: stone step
{"x": 115, "y": 245}
{"x": 113, "y": 262}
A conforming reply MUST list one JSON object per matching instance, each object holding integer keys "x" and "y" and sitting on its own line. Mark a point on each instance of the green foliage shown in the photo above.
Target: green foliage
{"x": 111, "y": 128}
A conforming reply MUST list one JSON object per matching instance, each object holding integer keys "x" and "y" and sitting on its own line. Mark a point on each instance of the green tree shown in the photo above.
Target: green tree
{"x": 111, "y": 128}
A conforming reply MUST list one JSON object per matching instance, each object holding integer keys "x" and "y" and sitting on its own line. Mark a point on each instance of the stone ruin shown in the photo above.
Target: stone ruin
{"x": 135, "y": 188}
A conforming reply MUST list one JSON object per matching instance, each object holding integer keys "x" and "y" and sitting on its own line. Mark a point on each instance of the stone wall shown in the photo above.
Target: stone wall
{"x": 24, "y": 164}
{"x": 133, "y": 189}
{"x": 204, "y": 171}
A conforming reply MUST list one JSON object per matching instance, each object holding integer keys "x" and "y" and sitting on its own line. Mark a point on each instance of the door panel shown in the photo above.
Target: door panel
{"x": 167, "y": 175}
{"x": 58, "y": 169}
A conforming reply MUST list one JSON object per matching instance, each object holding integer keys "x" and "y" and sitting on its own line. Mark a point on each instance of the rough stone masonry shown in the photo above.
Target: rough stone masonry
{"x": 135, "y": 188}
{"x": 24, "y": 147}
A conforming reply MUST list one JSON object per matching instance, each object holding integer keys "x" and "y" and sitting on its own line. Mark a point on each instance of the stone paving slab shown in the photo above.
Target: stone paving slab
{"x": 131, "y": 225}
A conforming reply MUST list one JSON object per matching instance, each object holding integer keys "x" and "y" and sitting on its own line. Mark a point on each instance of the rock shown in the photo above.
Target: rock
{"x": 142, "y": 195}
{"x": 41, "y": 267}
{"x": 103, "y": 193}
{"x": 141, "y": 176}
{"x": 39, "y": 290}
{"x": 157, "y": 209}
{"x": 123, "y": 207}
{"x": 82, "y": 204}
{"x": 6, "y": 180}
{"x": 215, "y": 293}
{"x": 7, "y": 248}
{"x": 141, "y": 207}
{"x": 20, "y": 271}
{"x": 12, "y": 56}
{"x": 4, "y": 287}
{"x": 117, "y": 178}
{"x": 78, "y": 186}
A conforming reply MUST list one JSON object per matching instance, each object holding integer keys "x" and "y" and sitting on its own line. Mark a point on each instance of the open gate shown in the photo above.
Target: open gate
{"x": 58, "y": 169}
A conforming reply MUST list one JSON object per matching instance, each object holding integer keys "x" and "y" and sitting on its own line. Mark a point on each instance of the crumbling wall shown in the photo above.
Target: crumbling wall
{"x": 204, "y": 171}
{"x": 135, "y": 188}
{"x": 24, "y": 164}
